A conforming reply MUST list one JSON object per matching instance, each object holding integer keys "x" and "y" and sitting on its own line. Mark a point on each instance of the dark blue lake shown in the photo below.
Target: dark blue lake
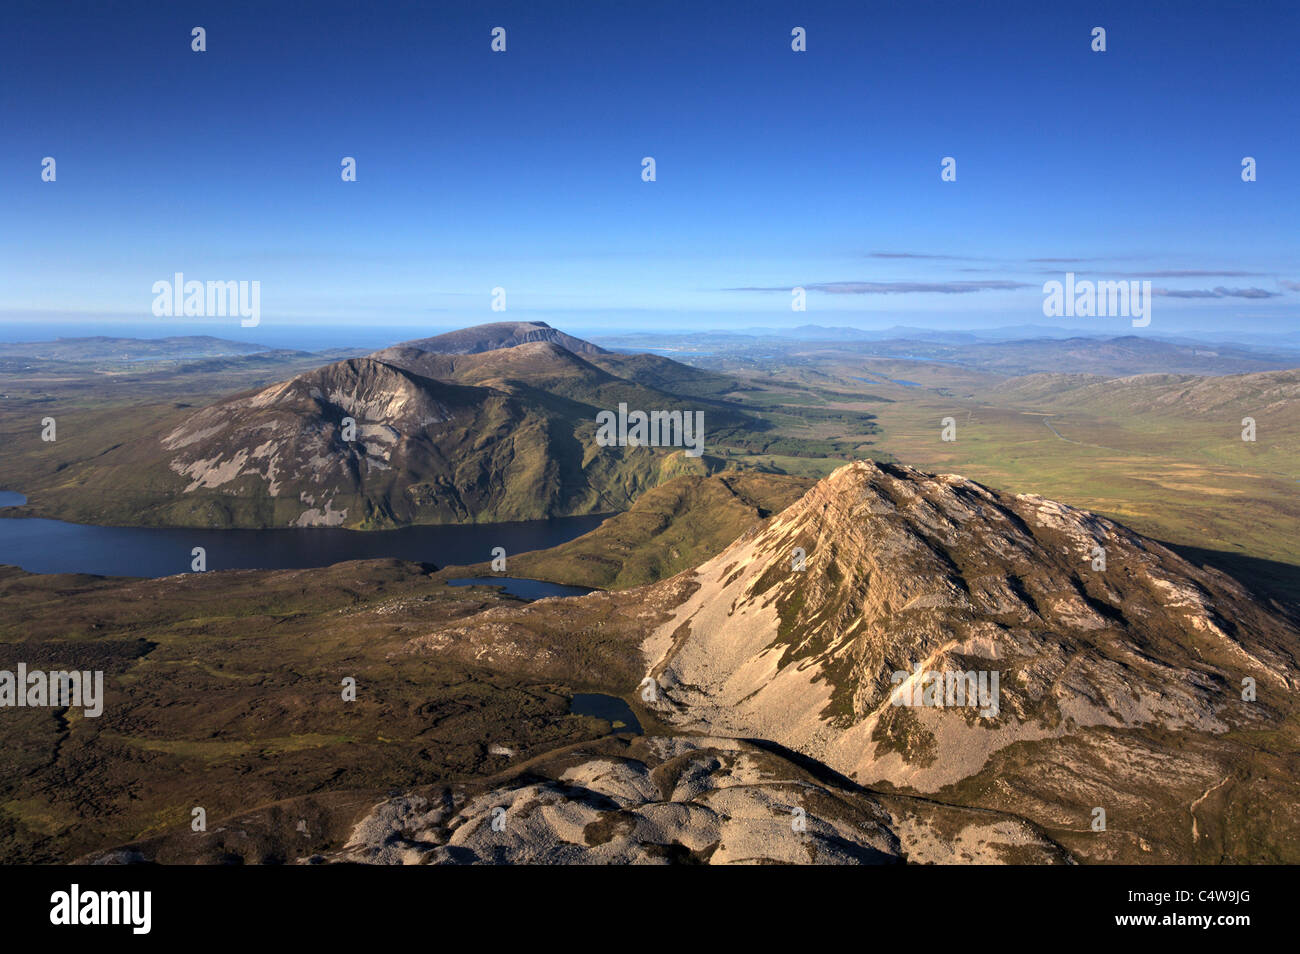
{"x": 610, "y": 708}
{"x": 906, "y": 384}
{"x": 524, "y": 589}
{"x": 53, "y": 546}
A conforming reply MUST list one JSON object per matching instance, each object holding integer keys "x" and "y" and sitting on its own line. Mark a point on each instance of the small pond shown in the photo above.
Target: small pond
{"x": 610, "y": 708}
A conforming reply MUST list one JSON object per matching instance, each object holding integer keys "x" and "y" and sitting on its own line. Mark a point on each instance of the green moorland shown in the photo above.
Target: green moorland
{"x": 225, "y": 691}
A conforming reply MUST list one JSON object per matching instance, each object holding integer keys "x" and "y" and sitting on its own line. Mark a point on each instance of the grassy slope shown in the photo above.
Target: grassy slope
{"x": 223, "y": 691}
{"x": 669, "y": 529}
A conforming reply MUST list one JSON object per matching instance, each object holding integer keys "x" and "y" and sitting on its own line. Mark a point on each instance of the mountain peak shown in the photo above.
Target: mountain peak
{"x": 496, "y": 336}
{"x": 801, "y": 631}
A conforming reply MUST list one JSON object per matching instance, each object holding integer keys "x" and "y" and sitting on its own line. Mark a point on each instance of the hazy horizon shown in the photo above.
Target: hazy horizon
{"x": 308, "y": 336}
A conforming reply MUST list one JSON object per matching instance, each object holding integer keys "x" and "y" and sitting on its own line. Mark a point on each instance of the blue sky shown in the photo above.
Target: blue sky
{"x": 774, "y": 168}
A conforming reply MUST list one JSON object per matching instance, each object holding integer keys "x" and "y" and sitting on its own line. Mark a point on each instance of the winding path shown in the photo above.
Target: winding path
{"x": 1204, "y": 796}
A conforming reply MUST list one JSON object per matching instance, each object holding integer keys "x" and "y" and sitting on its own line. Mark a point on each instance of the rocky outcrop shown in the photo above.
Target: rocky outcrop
{"x": 661, "y": 800}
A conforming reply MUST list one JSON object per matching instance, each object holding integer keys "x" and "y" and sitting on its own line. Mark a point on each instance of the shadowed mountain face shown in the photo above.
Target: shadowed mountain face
{"x": 488, "y": 424}
{"x": 292, "y": 436}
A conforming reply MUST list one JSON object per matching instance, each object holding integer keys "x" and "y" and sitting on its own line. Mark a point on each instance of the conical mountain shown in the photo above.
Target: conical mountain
{"x": 1096, "y": 667}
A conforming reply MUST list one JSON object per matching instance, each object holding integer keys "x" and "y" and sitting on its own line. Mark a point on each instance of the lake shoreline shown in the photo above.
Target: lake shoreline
{"x": 46, "y": 546}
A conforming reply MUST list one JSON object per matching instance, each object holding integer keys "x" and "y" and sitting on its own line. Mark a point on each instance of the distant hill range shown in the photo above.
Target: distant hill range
{"x": 101, "y": 348}
{"x": 1122, "y": 357}
{"x": 1022, "y": 351}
